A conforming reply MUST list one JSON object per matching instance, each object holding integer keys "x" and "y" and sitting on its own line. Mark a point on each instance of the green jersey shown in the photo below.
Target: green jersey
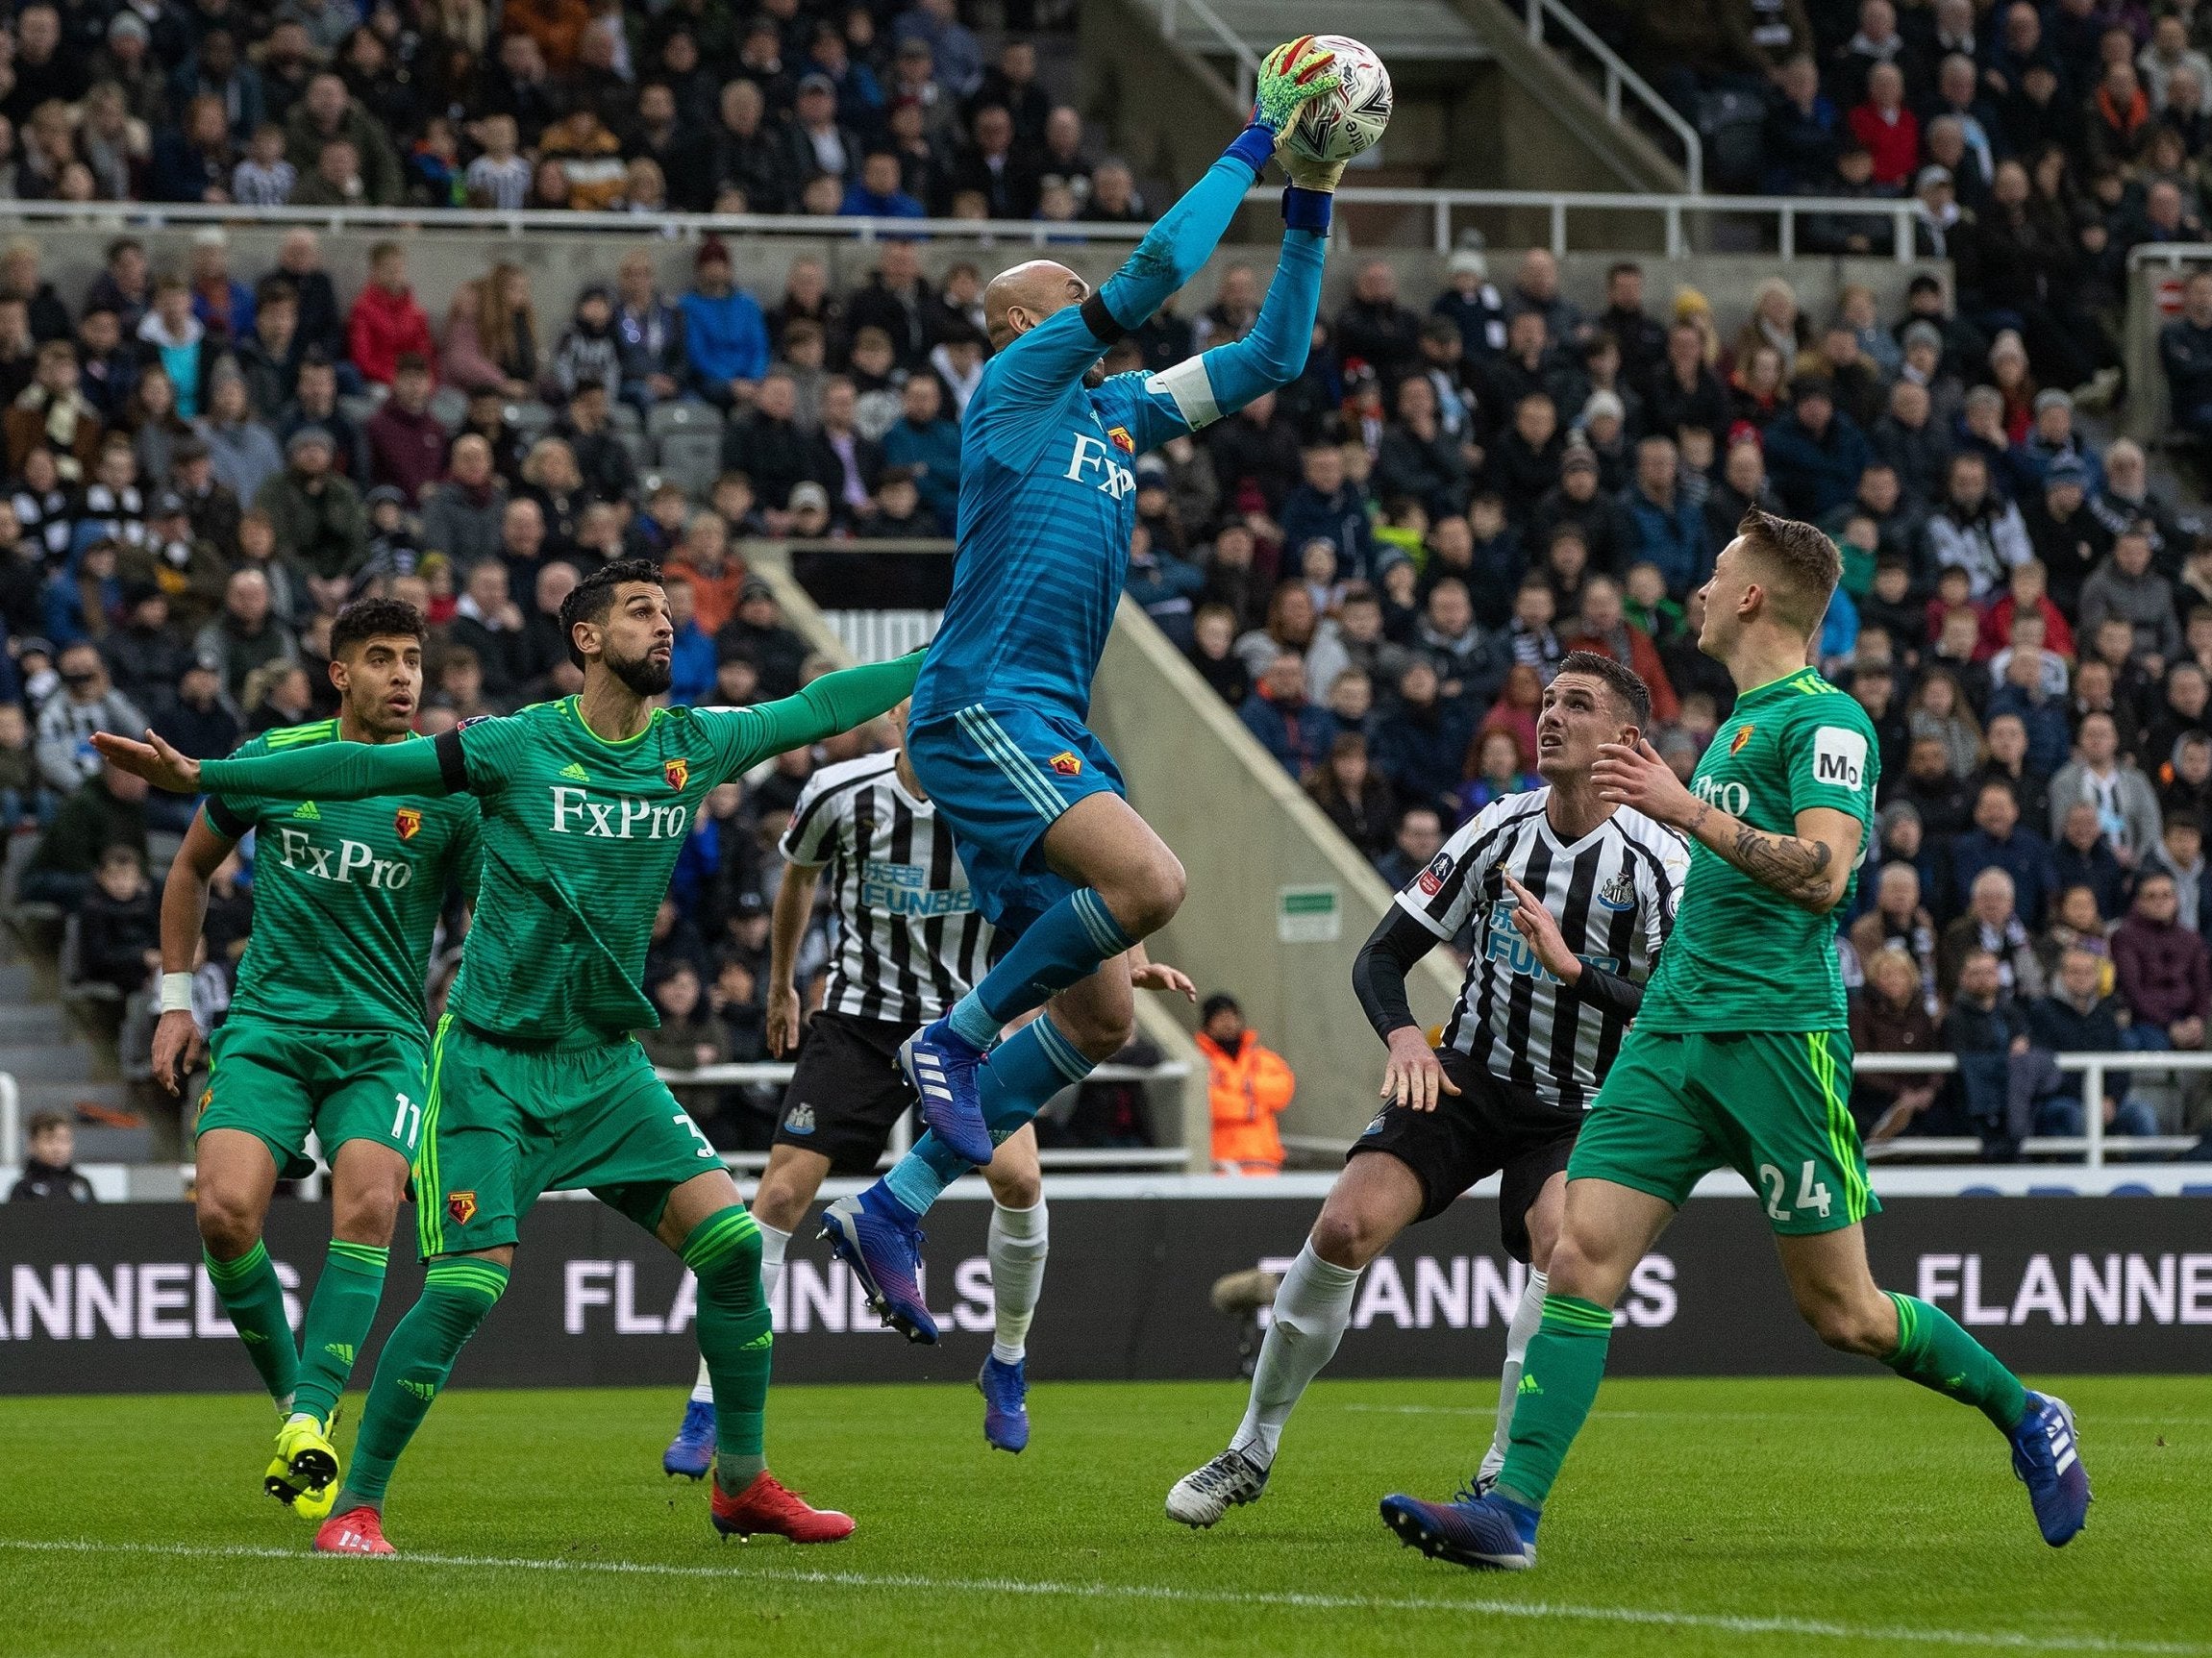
{"x": 581, "y": 836}
{"x": 1742, "y": 957}
{"x": 346, "y": 895}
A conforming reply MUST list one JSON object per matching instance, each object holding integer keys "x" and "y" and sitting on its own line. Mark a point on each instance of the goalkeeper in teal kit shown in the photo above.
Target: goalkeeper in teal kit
{"x": 1055, "y": 855}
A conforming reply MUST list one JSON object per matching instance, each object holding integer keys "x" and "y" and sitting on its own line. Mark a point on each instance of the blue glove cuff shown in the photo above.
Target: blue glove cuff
{"x": 1254, "y": 147}
{"x": 1306, "y": 210}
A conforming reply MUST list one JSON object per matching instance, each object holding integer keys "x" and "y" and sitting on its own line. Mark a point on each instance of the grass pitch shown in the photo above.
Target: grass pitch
{"x": 1695, "y": 1517}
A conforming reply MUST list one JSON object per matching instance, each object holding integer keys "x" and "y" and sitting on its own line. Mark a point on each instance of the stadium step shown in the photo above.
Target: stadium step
{"x": 24, "y": 1022}
{"x": 1401, "y": 31}
{"x": 63, "y": 1061}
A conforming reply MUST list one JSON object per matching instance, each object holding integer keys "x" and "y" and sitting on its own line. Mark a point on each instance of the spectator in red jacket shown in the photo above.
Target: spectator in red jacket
{"x": 1889, "y": 131}
{"x": 1605, "y": 628}
{"x": 386, "y": 320}
{"x": 2164, "y": 971}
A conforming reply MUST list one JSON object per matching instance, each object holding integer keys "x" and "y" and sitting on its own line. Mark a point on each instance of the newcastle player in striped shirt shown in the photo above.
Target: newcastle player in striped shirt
{"x": 1569, "y": 898}
{"x": 908, "y": 942}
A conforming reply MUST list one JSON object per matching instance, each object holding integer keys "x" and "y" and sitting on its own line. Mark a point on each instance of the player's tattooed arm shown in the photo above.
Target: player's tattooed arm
{"x": 1810, "y": 868}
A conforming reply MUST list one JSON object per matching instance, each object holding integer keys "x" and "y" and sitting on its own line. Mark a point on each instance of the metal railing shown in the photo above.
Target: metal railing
{"x": 2090, "y": 1067}
{"x": 1619, "y": 77}
{"x": 11, "y": 1122}
{"x": 1232, "y": 42}
{"x": 1068, "y": 1158}
{"x": 1678, "y": 214}
{"x": 2172, "y": 254}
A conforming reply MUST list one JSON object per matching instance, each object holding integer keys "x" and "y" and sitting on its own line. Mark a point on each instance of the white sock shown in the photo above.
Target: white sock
{"x": 1312, "y": 1310}
{"x": 1518, "y": 1334}
{"x": 772, "y": 1246}
{"x": 1019, "y": 1241}
{"x": 772, "y": 1243}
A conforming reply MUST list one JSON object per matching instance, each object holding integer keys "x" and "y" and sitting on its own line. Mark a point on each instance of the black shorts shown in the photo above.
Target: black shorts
{"x": 1488, "y": 1125}
{"x": 847, "y": 1091}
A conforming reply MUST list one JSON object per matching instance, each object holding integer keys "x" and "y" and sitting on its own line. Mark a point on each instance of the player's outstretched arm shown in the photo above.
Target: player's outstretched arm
{"x": 1223, "y": 380}
{"x": 1182, "y": 238}
{"x": 1811, "y": 868}
{"x": 320, "y": 772}
{"x": 825, "y": 707}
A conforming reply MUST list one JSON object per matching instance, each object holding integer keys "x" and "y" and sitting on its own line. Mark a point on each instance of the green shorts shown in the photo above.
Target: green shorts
{"x": 278, "y": 1081}
{"x": 507, "y": 1122}
{"x": 1769, "y": 1105}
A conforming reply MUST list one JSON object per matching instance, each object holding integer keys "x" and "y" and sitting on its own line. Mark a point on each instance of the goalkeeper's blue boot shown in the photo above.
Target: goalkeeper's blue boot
{"x": 942, "y": 1064}
{"x": 2046, "y": 1457}
{"x": 691, "y": 1453}
{"x": 1006, "y": 1391}
{"x": 878, "y": 1239}
{"x": 1487, "y": 1533}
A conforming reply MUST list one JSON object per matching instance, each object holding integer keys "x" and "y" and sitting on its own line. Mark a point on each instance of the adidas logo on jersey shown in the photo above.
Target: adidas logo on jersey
{"x": 575, "y": 771}
{"x": 306, "y": 809}
{"x": 800, "y": 1119}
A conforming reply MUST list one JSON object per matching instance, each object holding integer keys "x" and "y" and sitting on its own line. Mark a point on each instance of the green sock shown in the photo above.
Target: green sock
{"x": 1558, "y": 1384}
{"x": 1932, "y": 1350}
{"x": 456, "y": 1295}
{"x": 249, "y": 1291}
{"x": 338, "y": 1323}
{"x": 724, "y": 1252}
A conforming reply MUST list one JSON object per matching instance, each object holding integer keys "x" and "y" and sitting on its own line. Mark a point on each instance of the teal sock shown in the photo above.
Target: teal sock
{"x": 249, "y": 1292}
{"x": 456, "y": 1295}
{"x": 338, "y": 1323}
{"x": 1558, "y": 1384}
{"x": 1932, "y": 1350}
{"x": 1023, "y": 1071}
{"x": 1062, "y": 946}
{"x": 734, "y": 1338}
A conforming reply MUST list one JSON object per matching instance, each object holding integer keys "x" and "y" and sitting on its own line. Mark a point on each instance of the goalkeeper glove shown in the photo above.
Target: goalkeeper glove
{"x": 1289, "y": 76}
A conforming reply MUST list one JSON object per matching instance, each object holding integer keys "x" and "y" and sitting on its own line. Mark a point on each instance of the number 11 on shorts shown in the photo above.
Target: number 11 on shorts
{"x": 406, "y": 1122}
{"x": 1812, "y": 1194}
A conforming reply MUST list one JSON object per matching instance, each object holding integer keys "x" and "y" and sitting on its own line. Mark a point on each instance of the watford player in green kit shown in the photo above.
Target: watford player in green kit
{"x": 1740, "y": 1057}
{"x": 536, "y": 1083}
{"x": 326, "y": 1033}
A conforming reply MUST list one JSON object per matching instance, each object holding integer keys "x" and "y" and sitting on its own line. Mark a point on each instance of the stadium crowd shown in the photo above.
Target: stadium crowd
{"x": 865, "y": 107}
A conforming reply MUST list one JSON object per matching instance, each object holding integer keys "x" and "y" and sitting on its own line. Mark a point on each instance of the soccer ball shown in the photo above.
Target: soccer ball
{"x": 1338, "y": 125}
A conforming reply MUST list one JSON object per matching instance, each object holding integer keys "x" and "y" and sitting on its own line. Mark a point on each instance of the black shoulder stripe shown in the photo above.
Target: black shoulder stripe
{"x": 797, "y": 829}
{"x": 452, "y": 765}
{"x": 224, "y": 820}
{"x": 1101, "y": 321}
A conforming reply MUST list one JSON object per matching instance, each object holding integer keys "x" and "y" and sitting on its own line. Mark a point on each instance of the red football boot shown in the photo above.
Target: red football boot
{"x": 357, "y": 1531}
{"x": 768, "y": 1507}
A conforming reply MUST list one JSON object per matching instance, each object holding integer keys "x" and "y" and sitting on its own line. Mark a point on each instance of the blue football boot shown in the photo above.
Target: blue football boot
{"x": 879, "y": 1240}
{"x": 1006, "y": 1391}
{"x": 1487, "y": 1533}
{"x": 942, "y": 1064}
{"x": 691, "y": 1453}
{"x": 2046, "y": 1457}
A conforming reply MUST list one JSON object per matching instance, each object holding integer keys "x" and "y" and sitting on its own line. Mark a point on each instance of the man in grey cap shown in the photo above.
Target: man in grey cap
{"x": 319, "y": 520}
{"x": 2051, "y": 438}
{"x": 2066, "y": 536}
{"x": 1471, "y": 303}
{"x": 831, "y": 148}
{"x": 1936, "y": 216}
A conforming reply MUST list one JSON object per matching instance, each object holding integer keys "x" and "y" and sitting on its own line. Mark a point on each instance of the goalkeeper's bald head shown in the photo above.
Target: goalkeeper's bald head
{"x": 1020, "y": 298}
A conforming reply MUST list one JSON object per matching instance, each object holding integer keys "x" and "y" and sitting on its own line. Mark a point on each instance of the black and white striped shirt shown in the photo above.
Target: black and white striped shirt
{"x": 1613, "y": 894}
{"x": 907, "y": 941}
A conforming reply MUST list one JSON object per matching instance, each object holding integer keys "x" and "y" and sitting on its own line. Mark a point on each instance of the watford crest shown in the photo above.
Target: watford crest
{"x": 679, "y": 772}
{"x": 1119, "y": 437}
{"x": 1065, "y": 762}
{"x": 1736, "y": 743}
{"x": 461, "y": 1206}
{"x": 407, "y": 820}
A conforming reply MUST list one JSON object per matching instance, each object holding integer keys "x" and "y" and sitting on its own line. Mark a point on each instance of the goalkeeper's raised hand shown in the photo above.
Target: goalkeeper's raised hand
{"x": 1289, "y": 76}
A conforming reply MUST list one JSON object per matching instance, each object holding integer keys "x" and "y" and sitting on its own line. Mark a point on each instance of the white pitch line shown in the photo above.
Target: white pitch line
{"x": 2001, "y": 1639}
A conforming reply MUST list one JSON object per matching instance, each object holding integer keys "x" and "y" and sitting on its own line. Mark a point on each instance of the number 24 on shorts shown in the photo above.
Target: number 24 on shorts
{"x": 1812, "y": 1194}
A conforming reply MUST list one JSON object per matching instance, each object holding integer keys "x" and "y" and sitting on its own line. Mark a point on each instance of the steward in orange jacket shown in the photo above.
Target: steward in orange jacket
{"x": 1248, "y": 1086}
